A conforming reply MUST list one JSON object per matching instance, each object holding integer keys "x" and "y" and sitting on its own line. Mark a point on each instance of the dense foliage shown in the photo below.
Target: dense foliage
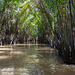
{"x": 52, "y": 21}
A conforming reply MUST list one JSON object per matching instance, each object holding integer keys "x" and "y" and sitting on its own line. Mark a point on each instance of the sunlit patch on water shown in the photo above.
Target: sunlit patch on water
{"x": 32, "y": 56}
{"x": 16, "y": 53}
{"x": 29, "y": 44}
{"x": 5, "y": 46}
{"x": 5, "y": 49}
{"x": 13, "y": 71}
{"x": 4, "y": 57}
{"x": 1, "y": 52}
{"x": 21, "y": 71}
{"x": 32, "y": 59}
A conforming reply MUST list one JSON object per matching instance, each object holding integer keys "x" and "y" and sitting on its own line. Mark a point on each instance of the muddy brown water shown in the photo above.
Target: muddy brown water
{"x": 32, "y": 59}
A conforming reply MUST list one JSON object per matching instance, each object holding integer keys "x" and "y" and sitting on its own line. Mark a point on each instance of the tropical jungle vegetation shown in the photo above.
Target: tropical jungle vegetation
{"x": 46, "y": 21}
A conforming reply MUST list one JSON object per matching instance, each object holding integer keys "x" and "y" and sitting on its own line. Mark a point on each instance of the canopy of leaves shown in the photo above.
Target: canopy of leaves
{"x": 22, "y": 16}
{"x": 33, "y": 16}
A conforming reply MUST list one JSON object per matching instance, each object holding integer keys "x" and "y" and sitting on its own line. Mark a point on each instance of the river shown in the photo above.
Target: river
{"x": 32, "y": 59}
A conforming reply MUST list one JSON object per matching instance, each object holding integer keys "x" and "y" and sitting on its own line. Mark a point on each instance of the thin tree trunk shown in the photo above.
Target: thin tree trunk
{"x": 71, "y": 35}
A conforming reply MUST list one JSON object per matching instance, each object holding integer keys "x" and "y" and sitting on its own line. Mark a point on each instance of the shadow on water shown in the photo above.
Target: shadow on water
{"x": 32, "y": 59}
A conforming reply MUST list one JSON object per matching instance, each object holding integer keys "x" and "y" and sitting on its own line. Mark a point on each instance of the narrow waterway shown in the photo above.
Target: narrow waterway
{"x": 32, "y": 59}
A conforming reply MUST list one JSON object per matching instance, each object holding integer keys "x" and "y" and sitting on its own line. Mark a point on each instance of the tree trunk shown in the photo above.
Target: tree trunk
{"x": 71, "y": 36}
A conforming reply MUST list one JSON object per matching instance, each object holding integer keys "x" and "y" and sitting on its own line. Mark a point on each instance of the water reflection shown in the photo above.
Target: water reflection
{"x": 24, "y": 59}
